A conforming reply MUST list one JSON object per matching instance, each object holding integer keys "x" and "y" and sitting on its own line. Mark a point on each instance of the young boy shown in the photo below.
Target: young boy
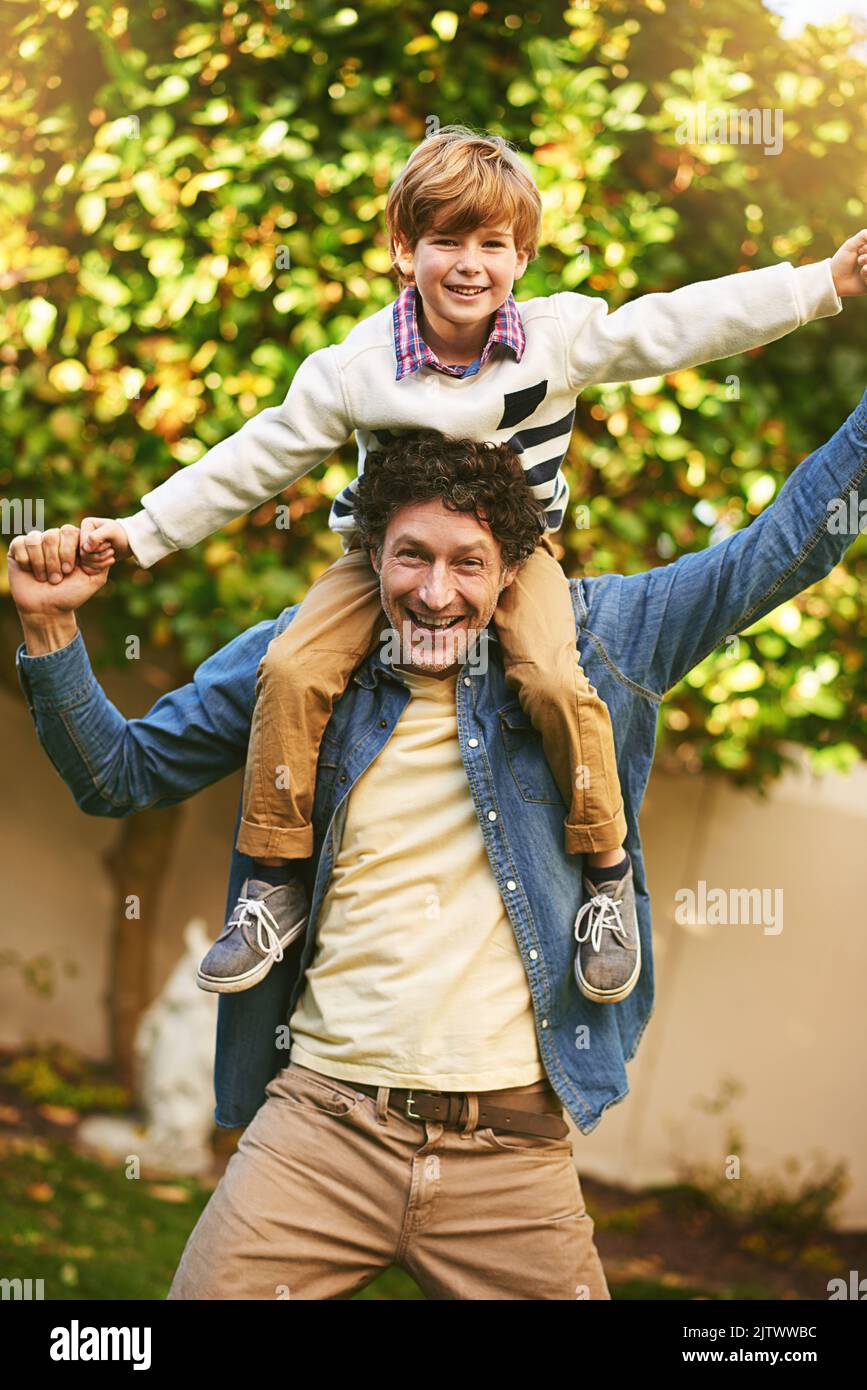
{"x": 464, "y": 220}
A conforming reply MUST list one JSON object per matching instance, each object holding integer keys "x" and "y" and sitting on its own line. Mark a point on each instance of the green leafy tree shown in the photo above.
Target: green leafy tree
{"x": 191, "y": 202}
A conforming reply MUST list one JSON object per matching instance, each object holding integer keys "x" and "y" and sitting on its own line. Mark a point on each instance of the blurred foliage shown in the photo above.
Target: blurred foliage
{"x": 191, "y": 201}
{"x": 56, "y": 1075}
{"x": 39, "y": 973}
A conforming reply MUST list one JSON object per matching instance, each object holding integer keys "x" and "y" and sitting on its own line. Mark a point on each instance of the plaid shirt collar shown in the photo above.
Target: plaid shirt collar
{"x": 411, "y": 351}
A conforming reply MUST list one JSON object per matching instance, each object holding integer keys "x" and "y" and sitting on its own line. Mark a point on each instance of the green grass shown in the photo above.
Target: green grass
{"x": 92, "y": 1233}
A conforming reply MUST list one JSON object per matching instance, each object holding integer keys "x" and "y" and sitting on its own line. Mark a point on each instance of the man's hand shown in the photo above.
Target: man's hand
{"x": 849, "y": 266}
{"x": 48, "y": 555}
{"x": 47, "y": 610}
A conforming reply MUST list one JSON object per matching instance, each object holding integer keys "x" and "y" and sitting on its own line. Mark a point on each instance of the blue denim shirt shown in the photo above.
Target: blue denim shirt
{"x": 638, "y": 635}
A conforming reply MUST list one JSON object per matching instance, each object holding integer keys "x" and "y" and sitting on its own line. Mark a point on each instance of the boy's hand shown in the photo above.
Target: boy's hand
{"x": 849, "y": 266}
{"x": 100, "y": 538}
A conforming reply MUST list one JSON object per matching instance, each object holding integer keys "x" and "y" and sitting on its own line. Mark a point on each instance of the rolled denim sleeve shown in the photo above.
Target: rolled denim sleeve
{"x": 658, "y": 625}
{"x": 190, "y": 738}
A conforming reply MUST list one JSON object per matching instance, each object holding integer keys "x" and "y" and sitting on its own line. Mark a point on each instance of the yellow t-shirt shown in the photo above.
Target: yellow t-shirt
{"x": 416, "y": 979}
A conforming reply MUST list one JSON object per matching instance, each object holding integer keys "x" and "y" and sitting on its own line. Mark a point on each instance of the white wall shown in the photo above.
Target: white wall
{"x": 782, "y": 1014}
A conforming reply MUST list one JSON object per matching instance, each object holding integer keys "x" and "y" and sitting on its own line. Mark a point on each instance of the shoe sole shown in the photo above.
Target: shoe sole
{"x": 608, "y": 996}
{"x": 235, "y": 984}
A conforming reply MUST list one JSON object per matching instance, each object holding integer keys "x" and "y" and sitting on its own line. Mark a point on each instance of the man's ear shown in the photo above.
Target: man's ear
{"x": 510, "y": 575}
{"x": 372, "y": 553}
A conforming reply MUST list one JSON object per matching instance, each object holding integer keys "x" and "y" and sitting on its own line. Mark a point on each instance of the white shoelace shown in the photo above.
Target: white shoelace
{"x": 608, "y": 916}
{"x": 266, "y": 924}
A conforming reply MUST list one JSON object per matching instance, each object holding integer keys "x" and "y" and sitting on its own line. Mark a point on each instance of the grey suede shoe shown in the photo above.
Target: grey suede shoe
{"x": 608, "y": 958}
{"x": 264, "y": 920}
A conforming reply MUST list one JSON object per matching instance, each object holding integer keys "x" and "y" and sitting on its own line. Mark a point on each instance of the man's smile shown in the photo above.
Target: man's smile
{"x": 442, "y": 623}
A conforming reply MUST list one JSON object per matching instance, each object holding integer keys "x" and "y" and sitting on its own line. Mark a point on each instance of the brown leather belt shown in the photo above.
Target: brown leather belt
{"x": 535, "y": 1112}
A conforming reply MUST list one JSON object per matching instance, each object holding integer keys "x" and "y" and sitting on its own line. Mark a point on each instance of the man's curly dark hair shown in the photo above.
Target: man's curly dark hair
{"x": 467, "y": 475}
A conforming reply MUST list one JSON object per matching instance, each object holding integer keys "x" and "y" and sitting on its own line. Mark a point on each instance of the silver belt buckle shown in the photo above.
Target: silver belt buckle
{"x": 412, "y": 1113}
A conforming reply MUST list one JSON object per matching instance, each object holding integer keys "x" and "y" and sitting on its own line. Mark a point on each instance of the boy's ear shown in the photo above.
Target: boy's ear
{"x": 403, "y": 257}
{"x": 521, "y": 264}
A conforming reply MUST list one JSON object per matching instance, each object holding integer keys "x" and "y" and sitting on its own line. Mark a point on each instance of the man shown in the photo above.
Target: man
{"x": 405, "y": 989}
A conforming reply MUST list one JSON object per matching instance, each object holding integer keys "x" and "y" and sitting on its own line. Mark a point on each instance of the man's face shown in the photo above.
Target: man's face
{"x": 485, "y": 259}
{"x": 440, "y": 577}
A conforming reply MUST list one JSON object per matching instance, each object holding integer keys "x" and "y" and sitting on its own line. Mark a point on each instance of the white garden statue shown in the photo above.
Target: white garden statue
{"x": 174, "y": 1049}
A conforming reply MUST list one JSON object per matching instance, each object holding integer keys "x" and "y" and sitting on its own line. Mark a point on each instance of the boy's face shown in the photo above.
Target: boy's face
{"x": 485, "y": 259}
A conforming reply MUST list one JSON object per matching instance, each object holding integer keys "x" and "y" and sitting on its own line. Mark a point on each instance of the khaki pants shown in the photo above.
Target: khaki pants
{"x": 340, "y": 622}
{"x": 328, "y": 1188}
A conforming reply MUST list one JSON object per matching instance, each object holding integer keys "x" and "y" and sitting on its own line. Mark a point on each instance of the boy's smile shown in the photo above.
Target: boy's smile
{"x": 462, "y": 279}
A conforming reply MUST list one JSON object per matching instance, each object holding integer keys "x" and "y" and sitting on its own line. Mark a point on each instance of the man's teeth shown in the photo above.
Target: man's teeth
{"x": 434, "y": 622}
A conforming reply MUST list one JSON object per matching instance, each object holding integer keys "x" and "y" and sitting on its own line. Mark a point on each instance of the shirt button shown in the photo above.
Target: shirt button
{"x": 474, "y": 743}
{"x": 383, "y": 723}
{"x": 343, "y": 777}
{"x": 492, "y": 815}
{"x": 466, "y": 680}
{"x": 511, "y": 885}
{"x": 534, "y": 955}
{"x": 544, "y": 1023}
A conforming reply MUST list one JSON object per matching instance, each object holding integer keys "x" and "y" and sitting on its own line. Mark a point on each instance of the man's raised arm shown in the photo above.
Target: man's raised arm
{"x": 114, "y": 766}
{"x": 658, "y": 625}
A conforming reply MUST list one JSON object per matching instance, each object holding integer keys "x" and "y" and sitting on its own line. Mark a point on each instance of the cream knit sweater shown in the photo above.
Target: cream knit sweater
{"x": 571, "y": 341}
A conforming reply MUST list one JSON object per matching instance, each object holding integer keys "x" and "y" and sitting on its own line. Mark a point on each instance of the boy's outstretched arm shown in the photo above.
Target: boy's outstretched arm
{"x": 659, "y": 333}
{"x": 264, "y": 456}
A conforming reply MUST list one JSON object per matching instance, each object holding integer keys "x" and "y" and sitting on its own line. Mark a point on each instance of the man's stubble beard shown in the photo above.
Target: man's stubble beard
{"x": 433, "y": 656}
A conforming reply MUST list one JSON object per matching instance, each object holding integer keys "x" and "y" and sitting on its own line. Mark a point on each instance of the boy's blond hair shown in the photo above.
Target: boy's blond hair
{"x": 457, "y": 180}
